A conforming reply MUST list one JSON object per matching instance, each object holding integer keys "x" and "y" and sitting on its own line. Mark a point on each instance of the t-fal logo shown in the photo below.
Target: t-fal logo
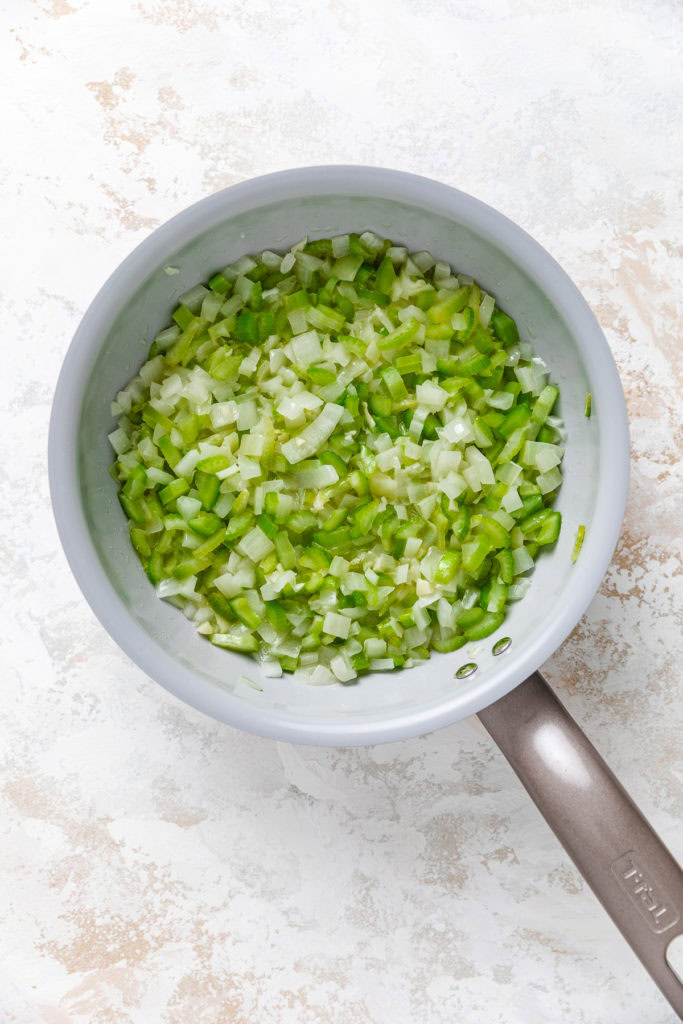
{"x": 648, "y": 896}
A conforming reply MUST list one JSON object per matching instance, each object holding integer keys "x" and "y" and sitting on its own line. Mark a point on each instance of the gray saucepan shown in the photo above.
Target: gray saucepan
{"x": 630, "y": 870}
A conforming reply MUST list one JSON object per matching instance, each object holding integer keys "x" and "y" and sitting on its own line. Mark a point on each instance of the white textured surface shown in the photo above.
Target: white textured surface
{"x": 156, "y": 866}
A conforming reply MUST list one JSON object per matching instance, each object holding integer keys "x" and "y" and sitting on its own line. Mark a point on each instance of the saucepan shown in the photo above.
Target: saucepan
{"x": 630, "y": 870}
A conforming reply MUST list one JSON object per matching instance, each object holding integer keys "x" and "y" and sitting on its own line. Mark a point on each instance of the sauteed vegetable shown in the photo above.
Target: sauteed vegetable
{"x": 340, "y": 458}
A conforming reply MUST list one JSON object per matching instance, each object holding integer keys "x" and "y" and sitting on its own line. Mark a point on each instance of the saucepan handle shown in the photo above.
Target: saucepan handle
{"x": 628, "y": 867}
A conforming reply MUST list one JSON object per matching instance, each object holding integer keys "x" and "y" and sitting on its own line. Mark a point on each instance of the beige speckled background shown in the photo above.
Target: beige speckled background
{"x": 156, "y": 866}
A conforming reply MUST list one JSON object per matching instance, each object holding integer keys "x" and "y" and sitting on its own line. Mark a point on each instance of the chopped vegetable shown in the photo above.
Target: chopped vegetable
{"x": 578, "y": 543}
{"x": 340, "y": 458}
{"x": 589, "y": 402}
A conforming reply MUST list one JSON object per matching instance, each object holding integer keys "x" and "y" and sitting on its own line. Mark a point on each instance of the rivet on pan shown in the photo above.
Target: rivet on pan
{"x": 466, "y": 670}
{"x": 501, "y": 646}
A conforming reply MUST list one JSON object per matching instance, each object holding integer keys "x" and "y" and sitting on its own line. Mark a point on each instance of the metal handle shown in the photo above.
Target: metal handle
{"x": 625, "y": 863}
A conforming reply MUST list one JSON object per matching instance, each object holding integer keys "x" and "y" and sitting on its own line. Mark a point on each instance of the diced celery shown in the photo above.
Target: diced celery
{"x": 340, "y": 458}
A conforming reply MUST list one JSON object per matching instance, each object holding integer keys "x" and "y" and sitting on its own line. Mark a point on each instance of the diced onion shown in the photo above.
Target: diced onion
{"x": 339, "y": 458}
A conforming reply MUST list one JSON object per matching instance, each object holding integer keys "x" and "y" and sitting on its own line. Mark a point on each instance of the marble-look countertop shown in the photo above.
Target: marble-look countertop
{"x": 156, "y": 866}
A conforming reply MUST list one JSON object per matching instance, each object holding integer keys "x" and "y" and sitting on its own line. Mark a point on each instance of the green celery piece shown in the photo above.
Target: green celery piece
{"x": 285, "y": 550}
{"x": 324, "y": 318}
{"x": 320, "y": 247}
{"x": 270, "y": 503}
{"x": 454, "y": 384}
{"x": 190, "y": 568}
{"x": 208, "y": 487}
{"x": 266, "y": 325}
{"x": 220, "y": 604}
{"x": 505, "y": 565}
{"x": 504, "y": 328}
{"x": 132, "y": 508}
{"x": 240, "y": 503}
{"x": 380, "y": 404}
{"x": 513, "y": 445}
{"x": 439, "y": 332}
{"x": 373, "y": 297}
{"x": 320, "y": 375}
{"x": 205, "y": 523}
{"x": 314, "y": 557}
{"x": 330, "y": 458}
{"x": 493, "y": 418}
{"x": 578, "y": 543}
{"x": 364, "y": 517}
{"x": 488, "y": 624}
{"x": 188, "y": 424}
{"x": 469, "y": 617}
{"x": 339, "y": 538}
{"x": 169, "y": 451}
{"x": 296, "y": 300}
{"x": 347, "y": 267}
{"x": 475, "y": 551}
{"x": 300, "y": 522}
{"x": 358, "y": 482}
{"x": 401, "y": 336}
{"x": 451, "y": 643}
{"x": 530, "y": 503}
{"x": 325, "y": 294}
{"x": 236, "y": 641}
{"x": 483, "y": 435}
{"x": 210, "y": 544}
{"x": 140, "y": 541}
{"x": 456, "y": 302}
{"x": 409, "y": 528}
{"x": 245, "y": 613}
{"x": 543, "y": 405}
{"x": 468, "y": 314}
{"x": 213, "y": 464}
{"x": 238, "y": 525}
{"x": 173, "y": 490}
{"x": 155, "y": 567}
{"x": 257, "y": 273}
{"x": 482, "y": 340}
{"x": 461, "y": 524}
{"x": 224, "y": 365}
{"x": 314, "y": 582}
{"x": 335, "y": 519}
{"x": 385, "y": 276}
{"x": 394, "y": 383}
{"x": 409, "y": 364}
{"x": 136, "y": 484}
{"x": 346, "y": 307}
{"x": 267, "y": 525}
{"x": 247, "y": 328}
{"x": 498, "y": 534}
{"x": 277, "y": 616}
{"x": 219, "y": 284}
{"x": 497, "y": 597}
{"x": 357, "y": 246}
{"x": 183, "y": 317}
{"x": 550, "y": 529}
{"x": 448, "y": 564}
{"x": 425, "y": 299}
{"x": 154, "y": 418}
{"x": 473, "y": 365}
{"x": 221, "y": 328}
{"x": 268, "y": 565}
{"x": 180, "y": 351}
